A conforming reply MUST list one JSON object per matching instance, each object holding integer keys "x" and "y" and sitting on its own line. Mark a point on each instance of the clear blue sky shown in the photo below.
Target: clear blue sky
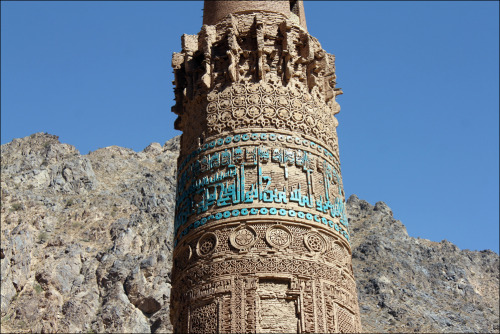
{"x": 419, "y": 125}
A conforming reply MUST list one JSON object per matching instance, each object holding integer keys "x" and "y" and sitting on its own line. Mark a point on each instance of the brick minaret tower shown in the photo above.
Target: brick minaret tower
{"x": 261, "y": 234}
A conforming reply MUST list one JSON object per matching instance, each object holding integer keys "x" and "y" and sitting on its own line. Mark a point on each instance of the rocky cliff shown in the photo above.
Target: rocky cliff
{"x": 409, "y": 284}
{"x": 86, "y": 245}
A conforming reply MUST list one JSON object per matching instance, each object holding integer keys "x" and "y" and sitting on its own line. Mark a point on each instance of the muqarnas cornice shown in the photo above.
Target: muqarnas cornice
{"x": 233, "y": 58}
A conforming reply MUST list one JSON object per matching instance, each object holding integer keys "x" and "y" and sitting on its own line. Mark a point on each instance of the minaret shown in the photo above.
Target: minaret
{"x": 261, "y": 233}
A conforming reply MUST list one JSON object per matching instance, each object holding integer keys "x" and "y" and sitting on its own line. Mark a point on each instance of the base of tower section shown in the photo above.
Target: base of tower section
{"x": 266, "y": 302}
{"x": 264, "y": 277}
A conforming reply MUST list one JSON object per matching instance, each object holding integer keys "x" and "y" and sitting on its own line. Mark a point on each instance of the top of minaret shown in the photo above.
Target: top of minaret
{"x": 215, "y": 10}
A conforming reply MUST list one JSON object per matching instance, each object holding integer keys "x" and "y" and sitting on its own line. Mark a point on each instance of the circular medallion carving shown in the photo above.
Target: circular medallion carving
{"x": 206, "y": 244}
{"x": 278, "y": 236}
{"x": 297, "y": 115}
{"x": 296, "y": 103}
{"x": 239, "y": 100}
{"x": 269, "y": 111}
{"x": 282, "y": 101}
{"x": 225, "y": 116}
{"x": 212, "y": 107}
{"x": 253, "y": 99}
{"x": 243, "y": 237}
{"x": 239, "y": 113}
{"x": 224, "y": 104}
{"x": 253, "y": 111}
{"x": 283, "y": 113}
{"x": 315, "y": 242}
{"x": 267, "y": 99}
{"x": 310, "y": 120}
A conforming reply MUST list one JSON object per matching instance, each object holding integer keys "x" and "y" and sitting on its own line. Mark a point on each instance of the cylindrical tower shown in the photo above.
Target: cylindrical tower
{"x": 261, "y": 233}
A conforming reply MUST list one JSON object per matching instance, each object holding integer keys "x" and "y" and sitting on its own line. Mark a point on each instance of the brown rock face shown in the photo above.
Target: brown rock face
{"x": 410, "y": 285}
{"x": 261, "y": 232}
{"x": 85, "y": 240}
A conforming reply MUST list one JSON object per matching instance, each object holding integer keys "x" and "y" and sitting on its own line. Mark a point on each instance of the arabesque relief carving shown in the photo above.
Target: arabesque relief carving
{"x": 280, "y": 77}
{"x": 263, "y": 105}
{"x": 262, "y": 241}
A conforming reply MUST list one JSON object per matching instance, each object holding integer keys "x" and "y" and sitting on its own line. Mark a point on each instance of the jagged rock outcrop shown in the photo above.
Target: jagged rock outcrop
{"x": 409, "y": 284}
{"x": 86, "y": 240}
{"x": 86, "y": 246}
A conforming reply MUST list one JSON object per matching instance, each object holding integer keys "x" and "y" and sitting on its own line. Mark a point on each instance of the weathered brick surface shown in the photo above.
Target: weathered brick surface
{"x": 261, "y": 233}
{"x": 214, "y": 11}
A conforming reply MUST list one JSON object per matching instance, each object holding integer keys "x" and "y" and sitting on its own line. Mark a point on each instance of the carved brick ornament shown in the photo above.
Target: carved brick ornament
{"x": 243, "y": 237}
{"x": 278, "y": 236}
{"x": 262, "y": 240}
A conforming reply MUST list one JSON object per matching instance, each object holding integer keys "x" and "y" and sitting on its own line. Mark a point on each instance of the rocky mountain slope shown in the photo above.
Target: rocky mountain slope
{"x": 86, "y": 245}
{"x": 408, "y": 284}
